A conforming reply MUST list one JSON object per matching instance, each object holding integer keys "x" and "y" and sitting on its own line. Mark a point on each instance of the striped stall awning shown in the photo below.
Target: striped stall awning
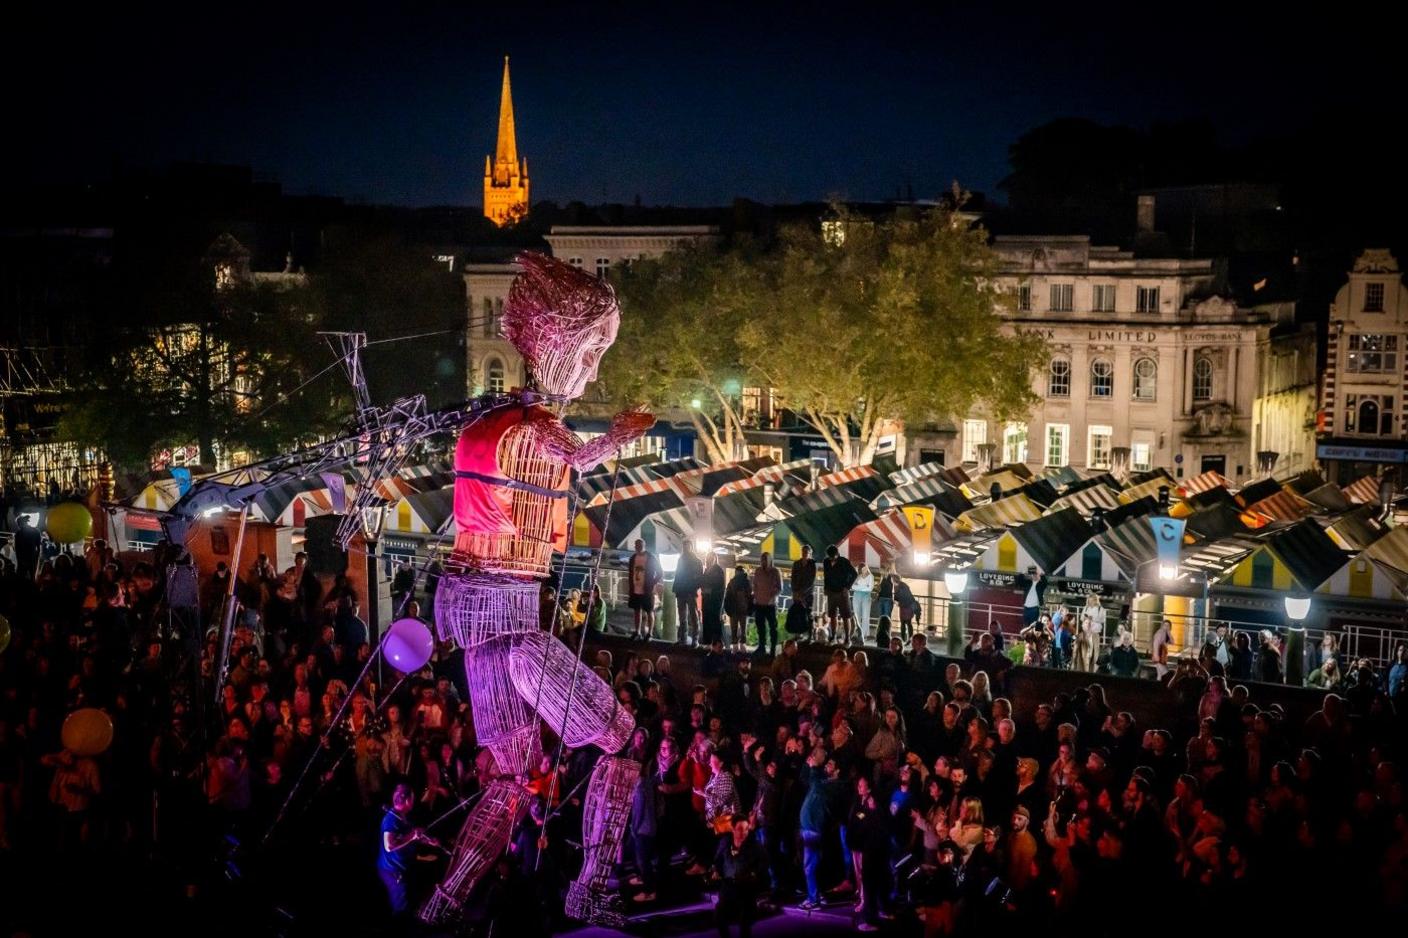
{"x": 664, "y": 470}
{"x": 1365, "y": 578}
{"x": 1364, "y": 491}
{"x": 1088, "y": 500}
{"x": 980, "y": 487}
{"x": 427, "y": 513}
{"x": 1150, "y": 488}
{"x": 599, "y": 483}
{"x": 1285, "y": 505}
{"x": 807, "y": 501}
{"x": 1355, "y": 529}
{"x": 1215, "y": 558}
{"x": 1015, "y": 509}
{"x": 636, "y": 490}
{"x": 1203, "y": 482}
{"x": 1391, "y": 549}
{"x": 914, "y": 473}
{"x": 159, "y": 495}
{"x": 783, "y": 475}
{"x": 912, "y": 493}
{"x": 737, "y": 511}
{"x": 1132, "y": 544}
{"x": 862, "y": 481}
{"x": 627, "y": 512}
{"x": 1061, "y": 475}
{"x": 879, "y": 542}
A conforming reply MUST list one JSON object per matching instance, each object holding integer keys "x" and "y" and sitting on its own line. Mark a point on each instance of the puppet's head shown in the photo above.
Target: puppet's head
{"x": 562, "y": 320}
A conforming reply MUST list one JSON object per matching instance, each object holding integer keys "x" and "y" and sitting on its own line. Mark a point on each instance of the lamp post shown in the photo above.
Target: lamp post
{"x": 956, "y": 581}
{"x": 1297, "y": 608}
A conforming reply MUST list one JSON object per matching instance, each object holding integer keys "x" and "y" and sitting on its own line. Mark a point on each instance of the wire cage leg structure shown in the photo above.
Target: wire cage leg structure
{"x": 604, "y": 814}
{"x": 482, "y": 840}
{"x": 503, "y": 719}
{"x": 571, "y": 697}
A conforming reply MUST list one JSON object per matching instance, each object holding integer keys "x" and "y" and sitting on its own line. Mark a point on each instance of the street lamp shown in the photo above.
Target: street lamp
{"x": 956, "y": 581}
{"x": 1297, "y": 608}
{"x": 1168, "y": 571}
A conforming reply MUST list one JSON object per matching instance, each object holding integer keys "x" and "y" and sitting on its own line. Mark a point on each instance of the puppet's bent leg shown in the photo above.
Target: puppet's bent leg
{"x": 503, "y": 720}
{"x": 604, "y": 815}
{"x": 482, "y": 840}
{"x": 547, "y": 674}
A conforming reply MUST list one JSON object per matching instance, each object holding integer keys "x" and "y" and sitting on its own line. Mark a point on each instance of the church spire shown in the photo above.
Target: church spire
{"x": 506, "y": 153}
{"x": 505, "y": 175}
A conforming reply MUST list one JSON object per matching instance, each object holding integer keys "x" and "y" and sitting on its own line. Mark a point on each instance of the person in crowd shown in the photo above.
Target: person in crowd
{"x": 741, "y": 866}
{"x": 838, "y": 575}
{"x": 643, "y": 571}
{"x": 688, "y": 575}
{"x": 1159, "y": 648}
{"x": 861, "y": 591}
{"x": 712, "y": 589}
{"x": 767, "y": 586}
{"x": 1124, "y": 659}
{"x": 908, "y": 608}
{"x": 738, "y": 603}
{"x": 802, "y": 581}
{"x": 1032, "y": 588}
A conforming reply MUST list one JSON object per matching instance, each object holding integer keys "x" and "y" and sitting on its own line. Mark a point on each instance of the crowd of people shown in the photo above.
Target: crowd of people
{"x": 911, "y": 791}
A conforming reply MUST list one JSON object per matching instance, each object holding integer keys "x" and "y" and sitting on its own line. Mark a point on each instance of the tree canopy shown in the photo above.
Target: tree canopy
{"x": 855, "y": 326}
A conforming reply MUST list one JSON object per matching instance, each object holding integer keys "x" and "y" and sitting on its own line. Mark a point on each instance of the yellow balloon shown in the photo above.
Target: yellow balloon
{"x": 4, "y": 634}
{"x": 69, "y": 522}
{"x": 87, "y": 732}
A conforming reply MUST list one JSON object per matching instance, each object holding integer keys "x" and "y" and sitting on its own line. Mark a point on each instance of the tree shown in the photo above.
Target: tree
{"x": 678, "y": 341}
{"x": 866, "y": 323}
{"x": 855, "y": 326}
{"x": 240, "y": 372}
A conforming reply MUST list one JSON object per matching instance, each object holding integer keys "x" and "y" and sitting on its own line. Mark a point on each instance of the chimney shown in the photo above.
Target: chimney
{"x": 769, "y": 494}
{"x": 995, "y": 491}
{"x": 813, "y": 473}
{"x": 1144, "y": 214}
{"x": 1266, "y": 462}
{"x": 986, "y": 451}
{"x": 1163, "y": 500}
{"x": 1119, "y": 462}
{"x": 1097, "y": 519}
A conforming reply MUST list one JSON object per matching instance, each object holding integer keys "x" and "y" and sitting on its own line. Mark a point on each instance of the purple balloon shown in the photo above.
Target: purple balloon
{"x": 408, "y": 645}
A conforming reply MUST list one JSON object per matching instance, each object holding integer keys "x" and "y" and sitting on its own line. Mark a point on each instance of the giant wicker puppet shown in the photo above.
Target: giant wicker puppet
{"x": 512, "y": 472}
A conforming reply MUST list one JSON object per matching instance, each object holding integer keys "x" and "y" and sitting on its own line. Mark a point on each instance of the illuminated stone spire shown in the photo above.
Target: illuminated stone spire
{"x": 506, "y": 176}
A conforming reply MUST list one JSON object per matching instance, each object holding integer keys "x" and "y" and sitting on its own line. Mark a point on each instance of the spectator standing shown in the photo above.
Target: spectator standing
{"x": 1032, "y": 586}
{"x": 861, "y": 591}
{"x": 803, "y": 583}
{"x": 644, "y": 573}
{"x": 686, "y": 590}
{"x": 767, "y": 586}
{"x": 738, "y": 602}
{"x": 711, "y": 597}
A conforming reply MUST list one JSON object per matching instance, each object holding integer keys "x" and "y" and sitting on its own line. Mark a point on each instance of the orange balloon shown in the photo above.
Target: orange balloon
{"x": 87, "y": 732}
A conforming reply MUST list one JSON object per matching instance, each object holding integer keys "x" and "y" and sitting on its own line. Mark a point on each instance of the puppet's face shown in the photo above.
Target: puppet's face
{"x": 570, "y": 363}
{"x": 562, "y": 320}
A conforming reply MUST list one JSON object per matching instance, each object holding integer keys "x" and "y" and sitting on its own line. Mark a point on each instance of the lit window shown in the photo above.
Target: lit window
{"x": 603, "y": 266}
{"x": 1202, "y": 379}
{"x": 1369, "y": 414}
{"x": 1063, "y": 297}
{"x": 1058, "y": 438}
{"x": 833, "y": 232}
{"x": 1058, "y": 383}
{"x": 1104, "y": 298}
{"x": 575, "y": 261}
{"x": 1014, "y": 443}
{"x": 494, "y": 376}
{"x": 1373, "y": 297}
{"x": 1141, "y": 454}
{"x": 975, "y": 434}
{"x": 1146, "y": 379}
{"x": 1372, "y": 354}
{"x": 1146, "y": 299}
{"x": 1102, "y": 378}
{"x": 1098, "y": 447}
{"x": 1024, "y": 298}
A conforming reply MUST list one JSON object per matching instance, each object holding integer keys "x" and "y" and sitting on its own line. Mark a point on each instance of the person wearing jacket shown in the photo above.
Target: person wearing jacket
{"x": 711, "y": 591}
{"x": 861, "y": 589}
{"x": 686, "y": 589}
{"x": 824, "y": 789}
{"x": 740, "y": 865}
{"x": 738, "y": 602}
{"x": 647, "y": 805}
{"x": 767, "y": 586}
{"x": 803, "y": 582}
{"x": 837, "y": 577}
{"x": 1032, "y": 587}
{"x": 766, "y": 811}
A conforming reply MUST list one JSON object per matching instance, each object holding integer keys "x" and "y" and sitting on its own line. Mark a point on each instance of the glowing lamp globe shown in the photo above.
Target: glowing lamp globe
{"x": 69, "y": 522}
{"x": 87, "y": 732}
{"x": 408, "y": 645}
{"x": 956, "y": 581}
{"x": 669, "y": 563}
{"x": 1297, "y": 607}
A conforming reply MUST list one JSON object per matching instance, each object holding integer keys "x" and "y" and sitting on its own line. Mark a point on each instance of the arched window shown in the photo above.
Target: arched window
{"x": 1058, "y": 382}
{"x": 1102, "y": 378}
{"x": 494, "y": 376}
{"x": 1202, "y": 379}
{"x": 1369, "y": 416}
{"x": 1146, "y": 379}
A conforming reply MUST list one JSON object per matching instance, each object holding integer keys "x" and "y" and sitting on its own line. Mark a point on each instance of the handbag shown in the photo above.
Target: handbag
{"x": 723, "y": 824}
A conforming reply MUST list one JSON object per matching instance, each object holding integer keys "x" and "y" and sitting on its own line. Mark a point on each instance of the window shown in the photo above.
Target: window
{"x": 1372, "y": 354}
{"x": 1369, "y": 414}
{"x": 833, "y": 232}
{"x": 1202, "y": 379}
{"x": 1141, "y": 451}
{"x": 494, "y": 376}
{"x": 1063, "y": 297}
{"x": 1058, "y": 440}
{"x": 603, "y": 266}
{"x": 1097, "y": 453}
{"x": 1058, "y": 382}
{"x": 1102, "y": 378}
{"x": 487, "y": 323}
{"x": 498, "y": 316}
{"x": 1373, "y": 297}
{"x": 1014, "y": 443}
{"x": 1104, "y": 299}
{"x": 575, "y": 261}
{"x": 1024, "y": 298}
{"x": 1146, "y": 299}
{"x": 1146, "y": 379}
{"x": 975, "y": 434}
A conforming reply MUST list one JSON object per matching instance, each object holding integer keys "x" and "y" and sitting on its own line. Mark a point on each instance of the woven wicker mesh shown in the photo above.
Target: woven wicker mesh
{"x": 605, "y": 811}
{"x": 498, "y": 708}
{"x": 543, "y": 670}
{"x": 483, "y": 838}
{"x": 527, "y": 551}
{"x": 473, "y": 608}
{"x": 561, "y": 319}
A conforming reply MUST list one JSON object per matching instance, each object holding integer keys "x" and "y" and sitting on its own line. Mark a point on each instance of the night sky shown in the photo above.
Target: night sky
{"x": 398, "y": 103}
